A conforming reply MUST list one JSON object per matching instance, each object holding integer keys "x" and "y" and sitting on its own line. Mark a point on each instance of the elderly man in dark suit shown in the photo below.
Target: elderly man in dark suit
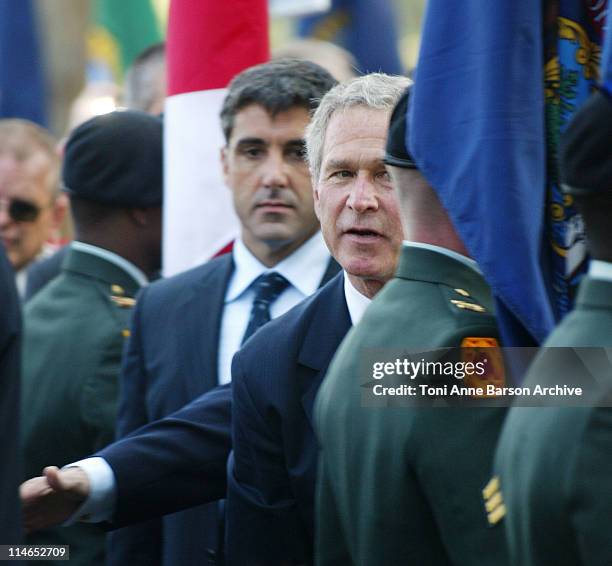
{"x": 553, "y": 463}
{"x": 401, "y": 485}
{"x": 186, "y": 329}
{"x": 10, "y": 471}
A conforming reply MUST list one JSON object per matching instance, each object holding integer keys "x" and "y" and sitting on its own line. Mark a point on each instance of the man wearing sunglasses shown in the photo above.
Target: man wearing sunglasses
{"x": 30, "y": 207}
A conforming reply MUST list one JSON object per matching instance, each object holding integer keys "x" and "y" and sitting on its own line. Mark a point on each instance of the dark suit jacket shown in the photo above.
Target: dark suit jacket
{"x": 554, "y": 462}
{"x": 171, "y": 359}
{"x": 10, "y": 469}
{"x": 271, "y": 476}
{"x": 174, "y": 463}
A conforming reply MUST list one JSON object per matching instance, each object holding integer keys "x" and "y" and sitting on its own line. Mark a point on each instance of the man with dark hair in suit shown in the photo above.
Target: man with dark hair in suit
{"x": 10, "y": 471}
{"x": 553, "y": 463}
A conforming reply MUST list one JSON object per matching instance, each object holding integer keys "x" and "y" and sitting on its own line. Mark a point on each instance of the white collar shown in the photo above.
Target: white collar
{"x": 444, "y": 251}
{"x": 600, "y": 270}
{"x": 127, "y": 266}
{"x": 355, "y": 301}
{"x": 304, "y": 268}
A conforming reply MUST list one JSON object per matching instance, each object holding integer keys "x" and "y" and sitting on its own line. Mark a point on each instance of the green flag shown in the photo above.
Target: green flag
{"x": 119, "y": 31}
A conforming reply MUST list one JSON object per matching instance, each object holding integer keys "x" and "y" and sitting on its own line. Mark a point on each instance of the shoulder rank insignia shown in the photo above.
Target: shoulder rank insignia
{"x": 123, "y": 302}
{"x": 468, "y": 306}
{"x": 494, "y": 502}
{"x": 462, "y": 292}
{"x": 117, "y": 290}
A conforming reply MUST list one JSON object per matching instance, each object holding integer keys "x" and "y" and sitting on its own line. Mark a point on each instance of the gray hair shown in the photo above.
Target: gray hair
{"x": 23, "y": 140}
{"x": 375, "y": 90}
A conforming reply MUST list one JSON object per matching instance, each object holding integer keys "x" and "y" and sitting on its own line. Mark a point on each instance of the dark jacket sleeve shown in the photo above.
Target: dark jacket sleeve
{"x": 10, "y": 470}
{"x": 175, "y": 463}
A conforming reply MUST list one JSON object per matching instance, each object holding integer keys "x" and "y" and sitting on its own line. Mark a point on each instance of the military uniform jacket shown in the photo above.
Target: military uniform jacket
{"x": 74, "y": 332}
{"x": 554, "y": 464}
{"x": 401, "y": 485}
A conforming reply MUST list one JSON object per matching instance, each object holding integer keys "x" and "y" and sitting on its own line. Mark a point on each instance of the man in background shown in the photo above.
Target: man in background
{"x": 75, "y": 328}
{"x": 145, "y": 81}
{"x": 333, "y": 58}
{"x": 186, "y": 328}
{"x": 31, "y": 207}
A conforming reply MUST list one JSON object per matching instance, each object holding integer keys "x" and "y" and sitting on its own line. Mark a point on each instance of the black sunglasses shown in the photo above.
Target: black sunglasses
{"x": 22, "y": 210}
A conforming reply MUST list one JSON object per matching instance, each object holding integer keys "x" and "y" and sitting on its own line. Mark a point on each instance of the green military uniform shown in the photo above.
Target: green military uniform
{"x": 401, "y": 485}
{"x": 74, "y": 331}
{"x": 554, "y": 464}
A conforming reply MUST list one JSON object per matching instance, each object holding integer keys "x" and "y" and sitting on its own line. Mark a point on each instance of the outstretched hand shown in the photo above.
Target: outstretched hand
{"x": 52, "y": 498}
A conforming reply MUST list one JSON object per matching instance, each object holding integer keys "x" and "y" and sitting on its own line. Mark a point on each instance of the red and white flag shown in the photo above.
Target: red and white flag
{"x": 209, "y": 41}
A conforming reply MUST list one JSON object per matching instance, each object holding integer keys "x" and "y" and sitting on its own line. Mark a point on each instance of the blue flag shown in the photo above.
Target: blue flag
{"x": 572, "y": 52}
{"x": 366, "y": 28}
{"x": 22, "y": 88}
{"x": 477, "y": 134}
{"x": 606, "y": 59}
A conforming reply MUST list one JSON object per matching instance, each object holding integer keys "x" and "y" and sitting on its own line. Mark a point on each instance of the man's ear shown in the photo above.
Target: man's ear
{"x": 317, "y": 201}
{"x": 60, "y": 208}
{"x": 224, "y": 165}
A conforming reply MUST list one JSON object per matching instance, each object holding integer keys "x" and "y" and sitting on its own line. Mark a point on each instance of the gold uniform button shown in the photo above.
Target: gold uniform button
{"x": 117, "y": 290}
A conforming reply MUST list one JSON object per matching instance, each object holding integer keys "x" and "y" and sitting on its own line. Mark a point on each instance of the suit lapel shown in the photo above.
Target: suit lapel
{"x": 333, "y": 267}
{"x": 327, "y": 328}
{"x": 202, "y": 313}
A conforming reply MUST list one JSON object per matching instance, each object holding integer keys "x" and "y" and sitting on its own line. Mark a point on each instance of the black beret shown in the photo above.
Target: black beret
{"x": 586, "y": 148}
{"x": 116, "y": 159}
{"x": 396, "y": 151}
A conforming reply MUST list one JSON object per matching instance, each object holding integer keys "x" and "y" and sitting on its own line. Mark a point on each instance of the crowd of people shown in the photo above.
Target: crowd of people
{"x": 217, "y": 416}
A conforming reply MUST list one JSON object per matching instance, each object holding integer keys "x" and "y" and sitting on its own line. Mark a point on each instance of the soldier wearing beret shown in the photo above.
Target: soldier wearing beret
{"x": 401, "y": 485}
{"x": 554, "y": 464}
{"x": 75, "y": 328}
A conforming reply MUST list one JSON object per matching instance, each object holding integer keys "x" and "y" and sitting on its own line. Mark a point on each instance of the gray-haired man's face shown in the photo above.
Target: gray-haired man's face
{"x": 354, "y": 198}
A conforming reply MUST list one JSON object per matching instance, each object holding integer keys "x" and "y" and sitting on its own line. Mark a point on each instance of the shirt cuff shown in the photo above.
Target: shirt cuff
{"x": 100, "y": 504}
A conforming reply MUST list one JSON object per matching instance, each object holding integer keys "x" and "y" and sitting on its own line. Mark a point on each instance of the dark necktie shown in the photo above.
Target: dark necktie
{"x": 267, "y": 288}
